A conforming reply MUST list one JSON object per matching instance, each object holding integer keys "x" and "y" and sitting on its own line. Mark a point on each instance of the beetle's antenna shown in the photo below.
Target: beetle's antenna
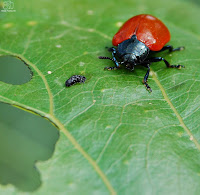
{"x": 105, "y": 58}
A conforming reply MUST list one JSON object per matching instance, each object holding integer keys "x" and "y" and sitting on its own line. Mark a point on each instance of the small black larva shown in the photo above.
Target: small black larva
{"x": 75, "y": 79}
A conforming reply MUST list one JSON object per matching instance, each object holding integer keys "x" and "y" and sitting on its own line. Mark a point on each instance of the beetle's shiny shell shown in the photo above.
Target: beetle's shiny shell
{"x": 148, "y": 29}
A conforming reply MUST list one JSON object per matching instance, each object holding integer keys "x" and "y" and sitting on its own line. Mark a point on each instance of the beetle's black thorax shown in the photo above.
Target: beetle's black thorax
{"x": 132, "y": 52}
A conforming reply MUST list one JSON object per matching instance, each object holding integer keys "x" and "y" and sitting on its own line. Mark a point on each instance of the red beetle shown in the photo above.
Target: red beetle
{"x": 140, "y": 36}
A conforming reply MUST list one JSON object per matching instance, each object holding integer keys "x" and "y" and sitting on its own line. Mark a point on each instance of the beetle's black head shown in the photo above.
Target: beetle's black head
{"x": 130, "y": 60}
{"x": 132, "y": 52}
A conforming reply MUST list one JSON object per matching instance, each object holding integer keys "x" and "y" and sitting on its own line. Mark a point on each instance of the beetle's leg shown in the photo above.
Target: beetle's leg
{"x": 146, "y": 78}
{"x": 114, "y": 60}
{"x": 117, "y": 64}
{"x": 171, "y": 49}
{"x": 114, "y": 67}
{"x": 158, "y": 59}
{"x": 113, "y": 50}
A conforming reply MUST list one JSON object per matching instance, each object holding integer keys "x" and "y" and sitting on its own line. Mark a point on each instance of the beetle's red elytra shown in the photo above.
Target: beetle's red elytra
{"x": 148, "y": 29}
{"x": 139, "y": 37}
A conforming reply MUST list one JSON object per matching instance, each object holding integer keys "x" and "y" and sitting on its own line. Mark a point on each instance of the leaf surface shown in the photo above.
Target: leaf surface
{"x": 115, "y": 136}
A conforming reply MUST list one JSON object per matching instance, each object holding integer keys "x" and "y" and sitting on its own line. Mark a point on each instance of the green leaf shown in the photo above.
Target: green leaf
{"x": 115, "y": 137}
{"x": 25, "y": 139}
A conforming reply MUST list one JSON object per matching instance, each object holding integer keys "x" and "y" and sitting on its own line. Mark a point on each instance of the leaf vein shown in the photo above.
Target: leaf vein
{"x": 60, "y": 126}
{"x": 174, "y": 110}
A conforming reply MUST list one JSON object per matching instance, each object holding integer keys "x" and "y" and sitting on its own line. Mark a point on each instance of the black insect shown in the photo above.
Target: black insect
{"x": 75, "y": 79}
{"x": 136, "y": 40}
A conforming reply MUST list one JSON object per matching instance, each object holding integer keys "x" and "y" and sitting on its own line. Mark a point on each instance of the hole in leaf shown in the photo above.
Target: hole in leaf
{"x": 14, "y": 71}
{"x": 24, "y": 139}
